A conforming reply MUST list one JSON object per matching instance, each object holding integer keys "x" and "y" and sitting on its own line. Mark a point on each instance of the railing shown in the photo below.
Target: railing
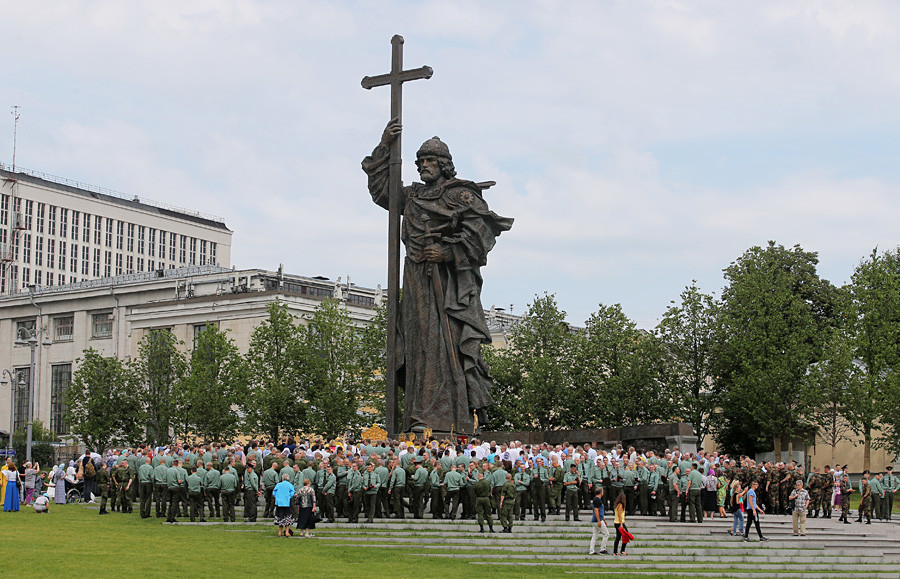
{"x": 122, "y": 279}
{"x": 112, "y": 193}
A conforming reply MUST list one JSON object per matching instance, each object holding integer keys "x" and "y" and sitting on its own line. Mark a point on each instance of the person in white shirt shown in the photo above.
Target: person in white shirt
{"x": 42, "y": 504}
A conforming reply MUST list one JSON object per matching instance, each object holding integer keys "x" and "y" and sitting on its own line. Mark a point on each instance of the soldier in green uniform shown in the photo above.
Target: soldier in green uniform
{"x": 213, "y": 488}
{"x": 675, "y": 491}
{"x": 252, "y": 492}
{"x": 420, "y": 477}
{"x": 397, "y": 488}
{"x": 145, "y": 480}
{"x": 891, "y": 486}
{"x": 498, "y": 479}
{"x": 453, "y": 482}
{"x": 269, "y": 480}
{"x": 161, "y": 488}
{"x": 329, "y": 487}
{"x": 468, "y": 492}
{"x": 865, "y": 499}
{"x": 195, "y": 493}
{"x": 382, "y": 504}
{"x": 340, "y": 495}
{"x": 522, "y": 481}
{"x": 630, "y": 486}
{"x": 507, "y": 504}
{"x": 122, "y": 475}
{"x": 175, "y": 483}
{"x": 540, "y": 480}
{"x": 228, "y": 484}
{"x": 572, "y": 483}
{"x": 371, "y": 482}
{"x": 694, "y": 484}
{"x": 483, "y": 502}
{"x": 876, "y": 487}
{"x": 437, "y": 487}
{"x": 557, "y": 473}
{"x": 354, "y": 492}
{"x": 643, "y": 490}
{"x": 654, "y": 499}
{"x": 102, "y": 480}
{"x": 846, "y": 490}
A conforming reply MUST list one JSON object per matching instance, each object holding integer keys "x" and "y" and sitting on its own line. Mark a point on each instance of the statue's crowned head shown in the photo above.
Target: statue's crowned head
{"x": 435, "y": 147}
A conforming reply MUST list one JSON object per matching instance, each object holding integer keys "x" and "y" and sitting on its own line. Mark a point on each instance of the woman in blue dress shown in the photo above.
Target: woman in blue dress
{"x": 11, "y": 500}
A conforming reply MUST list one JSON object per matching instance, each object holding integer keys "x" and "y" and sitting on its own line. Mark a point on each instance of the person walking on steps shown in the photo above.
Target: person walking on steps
{"x": 619, "y": 523}
{"x": 753, "y": 511}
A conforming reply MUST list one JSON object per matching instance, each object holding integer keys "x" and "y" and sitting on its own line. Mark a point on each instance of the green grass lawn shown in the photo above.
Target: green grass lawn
{"x": 72, "y": 539}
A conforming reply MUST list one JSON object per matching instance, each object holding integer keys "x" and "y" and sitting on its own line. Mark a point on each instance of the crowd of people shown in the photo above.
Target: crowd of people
{"x": 476, "y": 481}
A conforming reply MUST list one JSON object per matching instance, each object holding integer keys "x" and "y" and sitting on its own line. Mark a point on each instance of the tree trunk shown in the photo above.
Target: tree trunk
{"x": 790, "y": 449}
{"x": 834, "y": 453}
{"x": 777, "y": 443}
{"x": 867, "y": 448}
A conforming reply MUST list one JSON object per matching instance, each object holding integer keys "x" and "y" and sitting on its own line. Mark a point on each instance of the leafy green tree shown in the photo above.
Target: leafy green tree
{"x": 275, "y": 401}
{"x": 215, "y": 385}
{"x": 775, "y": 313}
{"x": 532, "y": 376}
{"x": 373, "y": 357}
{"x": 618, "y": 373}
{"x": 687, "y": 332}
{"x": 41, "y": 447}
{"x": 102, "y": 404}
{"x": 835, "y": 376}
{"x": 336, "y": 380}
{"x": 159, "y": 369}
{"x": 874, "y": 325}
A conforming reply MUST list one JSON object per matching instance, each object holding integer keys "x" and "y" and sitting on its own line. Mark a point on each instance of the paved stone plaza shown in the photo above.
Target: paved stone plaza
{"x": 706, "y": 549}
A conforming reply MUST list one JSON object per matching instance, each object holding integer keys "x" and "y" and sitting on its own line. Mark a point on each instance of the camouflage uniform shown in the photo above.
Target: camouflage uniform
{"x": 865, "y": 502}
{"x": 846, "y": 489}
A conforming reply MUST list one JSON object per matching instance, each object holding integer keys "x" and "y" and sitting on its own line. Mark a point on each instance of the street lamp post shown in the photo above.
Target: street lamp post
{"x": 28, "y": 337}
{"x": 8, "y": 376}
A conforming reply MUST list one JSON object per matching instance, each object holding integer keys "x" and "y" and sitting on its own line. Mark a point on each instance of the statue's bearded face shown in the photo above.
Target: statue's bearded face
{"x": 429, "y": 168}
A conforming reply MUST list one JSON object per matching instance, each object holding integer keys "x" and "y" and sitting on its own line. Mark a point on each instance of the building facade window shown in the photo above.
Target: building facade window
{"x": 86, "y": 230}
{"x": 51, "y": 219}
{"x": 107, "y": 264}
{"x": 74, "y": 225}
{"x": 38, "y": 279}
{"x": 41, "y": 208}
{"x": 23, "y": 376}
{"x": 60, "y": 378}
{"x": 172, "y": 247}
{"x": 63, "y": 222}
{"x": 29, "y": 211}
{"x": 182, "y": 253}
{"x": 73, "y": 260}
{"x": 98, "y": 229}
{"x": 141, "y": 233}
{"x": 96, "y": 262}
{"x": 193, "y": 251}
{"x": 50, "y": 278}
{"x": 151, "y": 243}
{"x": 4, "y": 209}
{"x": 129, "y": 264}
{"x": 62, "y": 255}
{"x": 26, "y": 248}
{"x": 101, "y": 325}
{"x": 109, "y": 232}
{"x": 212, "y": 253}
{"x": 51, "y": 253}
{"x": 39, "y": 251}
{"x": 85, "y": 259}
{"x": 131, "y": 237}
{"x": 118, "y": 264}
{"x": 64, "y": 328}
{"x": 120, "y": 235}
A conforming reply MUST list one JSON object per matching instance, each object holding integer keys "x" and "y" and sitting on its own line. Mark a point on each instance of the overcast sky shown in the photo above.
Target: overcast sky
{"x": 638, "y": 145}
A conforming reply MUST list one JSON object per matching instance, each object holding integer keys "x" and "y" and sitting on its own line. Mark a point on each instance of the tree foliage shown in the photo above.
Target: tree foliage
{"x": 687, "y": 333}
{"x": 619, "y": 373}
{"x": 532, "y": 380}
{"x": 873, "y": 323}
{"x": 215, "y": 385}
{"x": 159, "y": 369}
{"x": 775, "y": 311}
{"x": 275, "y": 400}
{"x": 102, "y": 405}
{"x": 337, "y": 378}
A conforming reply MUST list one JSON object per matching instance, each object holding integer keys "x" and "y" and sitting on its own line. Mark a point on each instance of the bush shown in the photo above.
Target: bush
{"x": 41, "y": 447}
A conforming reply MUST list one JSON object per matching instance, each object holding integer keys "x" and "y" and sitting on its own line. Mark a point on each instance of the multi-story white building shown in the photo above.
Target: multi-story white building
{"x": 57, "y": 232}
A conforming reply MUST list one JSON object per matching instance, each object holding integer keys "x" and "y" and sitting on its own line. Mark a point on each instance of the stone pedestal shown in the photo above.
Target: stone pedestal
{"x": 684, "y": 442}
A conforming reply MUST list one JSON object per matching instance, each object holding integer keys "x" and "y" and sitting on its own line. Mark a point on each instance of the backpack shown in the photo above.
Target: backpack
{"x": 89, "y": 470}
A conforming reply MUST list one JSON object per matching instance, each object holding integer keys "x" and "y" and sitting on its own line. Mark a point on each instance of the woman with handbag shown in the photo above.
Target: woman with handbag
{"x": 306, "y": 498}
{"x": 621, "y": 529}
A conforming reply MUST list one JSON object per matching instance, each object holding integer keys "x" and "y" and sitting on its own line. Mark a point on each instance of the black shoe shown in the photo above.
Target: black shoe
{"x": 104, "y": 512}
{"x": 604, "y": 552}
{"x": 763, "y": 539}
{"x": 492, "y": 529}
{"x": 869, "y": 522}
{"x": 481, "y": 529}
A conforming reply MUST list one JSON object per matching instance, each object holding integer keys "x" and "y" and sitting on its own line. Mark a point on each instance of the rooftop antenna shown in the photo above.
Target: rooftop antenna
{"x": 16, "y": 115}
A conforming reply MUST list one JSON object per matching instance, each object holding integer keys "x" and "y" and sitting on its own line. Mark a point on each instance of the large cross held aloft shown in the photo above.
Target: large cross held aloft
{"x": 395, "y": 78}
